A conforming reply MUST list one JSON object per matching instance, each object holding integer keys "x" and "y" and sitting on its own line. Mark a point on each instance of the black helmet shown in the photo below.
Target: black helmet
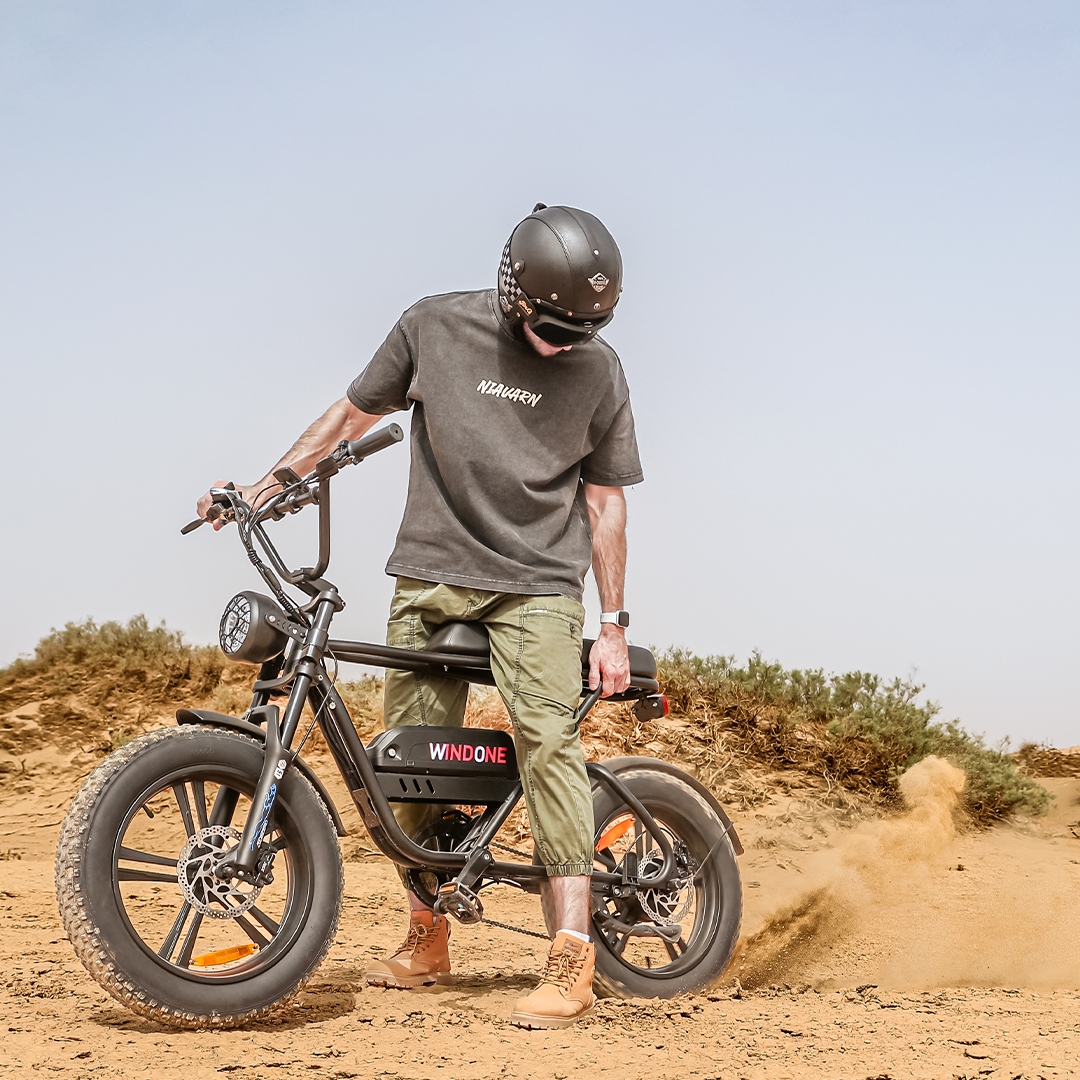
{"x": 561, "y": 273}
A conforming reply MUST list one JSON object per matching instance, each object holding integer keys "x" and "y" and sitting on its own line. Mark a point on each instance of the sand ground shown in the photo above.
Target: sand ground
{"x": 892, "y": 949}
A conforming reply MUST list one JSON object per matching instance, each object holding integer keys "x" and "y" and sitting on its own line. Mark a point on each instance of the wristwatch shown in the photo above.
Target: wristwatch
{"x": 619, "y": 618}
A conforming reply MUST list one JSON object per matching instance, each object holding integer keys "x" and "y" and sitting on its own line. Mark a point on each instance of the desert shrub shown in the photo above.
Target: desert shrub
{"x": 855, "y": 730}
{"x": 116, "y": 655}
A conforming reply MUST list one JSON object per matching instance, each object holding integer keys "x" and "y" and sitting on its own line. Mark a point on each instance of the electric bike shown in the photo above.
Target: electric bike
{"x": 199, "y": 872}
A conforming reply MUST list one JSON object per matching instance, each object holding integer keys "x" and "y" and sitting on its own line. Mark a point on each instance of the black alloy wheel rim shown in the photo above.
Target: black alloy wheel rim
{"x": 271, "y": 925}
{"x": 705, "y": 906}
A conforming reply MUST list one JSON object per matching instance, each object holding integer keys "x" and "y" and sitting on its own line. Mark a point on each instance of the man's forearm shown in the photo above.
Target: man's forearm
{"x": 607, "y": 513}
{"x": 609, "y": 662}
{"x": 609, "y": 566}
{"x": 341, "y": 421}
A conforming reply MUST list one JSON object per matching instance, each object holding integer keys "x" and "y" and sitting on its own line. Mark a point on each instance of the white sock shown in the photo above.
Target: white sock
{"x": 574, "y": 933}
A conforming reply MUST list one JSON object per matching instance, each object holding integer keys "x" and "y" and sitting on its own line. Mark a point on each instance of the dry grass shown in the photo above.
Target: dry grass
{"x": 743, "y": 731}
{"x": 1036, "y": 760}
{"x": 853, "y": 733}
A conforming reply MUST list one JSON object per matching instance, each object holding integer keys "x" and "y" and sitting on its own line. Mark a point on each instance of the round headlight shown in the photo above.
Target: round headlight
{"x": 252, "y": 628}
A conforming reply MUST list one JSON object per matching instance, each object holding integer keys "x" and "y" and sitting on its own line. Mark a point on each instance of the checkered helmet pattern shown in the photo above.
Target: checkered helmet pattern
{"x": 509, "y": 290}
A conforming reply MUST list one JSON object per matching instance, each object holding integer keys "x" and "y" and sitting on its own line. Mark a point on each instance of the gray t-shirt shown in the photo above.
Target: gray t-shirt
{"x": 501, "y": 440}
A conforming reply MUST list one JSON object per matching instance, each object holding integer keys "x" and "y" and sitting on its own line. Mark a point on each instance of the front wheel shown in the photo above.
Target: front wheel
{"x": 659, "y": 943}
{"x": 140, "y": 903}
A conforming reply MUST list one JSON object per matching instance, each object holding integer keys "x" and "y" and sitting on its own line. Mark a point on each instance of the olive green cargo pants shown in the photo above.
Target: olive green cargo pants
{"x": 536, "y": 661}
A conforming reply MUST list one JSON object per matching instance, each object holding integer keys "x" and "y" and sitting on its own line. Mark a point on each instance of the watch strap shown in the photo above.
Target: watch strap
{"x": 619, "y": 618}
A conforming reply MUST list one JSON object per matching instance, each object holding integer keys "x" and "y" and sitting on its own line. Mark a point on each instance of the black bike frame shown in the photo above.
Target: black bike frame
{"x": 309, "y": 682}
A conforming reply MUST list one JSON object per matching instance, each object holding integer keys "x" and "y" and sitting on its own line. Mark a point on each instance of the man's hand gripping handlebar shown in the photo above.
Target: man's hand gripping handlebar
{"x": 224, "y": 502}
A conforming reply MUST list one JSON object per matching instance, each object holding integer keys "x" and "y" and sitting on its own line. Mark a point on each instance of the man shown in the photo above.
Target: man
{"x": 522, "y": 442}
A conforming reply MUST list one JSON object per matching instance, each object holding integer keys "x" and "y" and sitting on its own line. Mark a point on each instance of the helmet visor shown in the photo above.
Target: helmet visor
{"x": 561, "y": 332}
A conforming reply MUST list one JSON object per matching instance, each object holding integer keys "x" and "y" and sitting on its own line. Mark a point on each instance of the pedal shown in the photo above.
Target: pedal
{"x": 461, "y": 902}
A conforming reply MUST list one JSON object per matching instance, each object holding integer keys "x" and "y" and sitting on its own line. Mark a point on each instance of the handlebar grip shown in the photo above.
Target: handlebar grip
{"x": 376, "y": 441}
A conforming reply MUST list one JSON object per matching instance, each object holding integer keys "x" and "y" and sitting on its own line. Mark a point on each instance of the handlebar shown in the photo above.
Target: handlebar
{"x": 300, "y": 493}
{"x": 296, "y": 494}
{"x": 374, "y": 442}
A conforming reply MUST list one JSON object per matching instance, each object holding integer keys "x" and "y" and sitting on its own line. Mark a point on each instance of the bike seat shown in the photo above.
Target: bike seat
{"x": 465, "y": 638}
{"x": 471, "y": 639}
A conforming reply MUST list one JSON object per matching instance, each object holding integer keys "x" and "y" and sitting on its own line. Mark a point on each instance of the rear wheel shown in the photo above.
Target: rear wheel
{"x": 659, "y": 943}
{"x": 139, "y": 900}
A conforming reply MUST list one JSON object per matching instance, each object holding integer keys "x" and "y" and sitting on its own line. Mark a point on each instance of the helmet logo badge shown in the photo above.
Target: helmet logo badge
{"x": 504, "y": 304}
{"x": 598, "y": 282}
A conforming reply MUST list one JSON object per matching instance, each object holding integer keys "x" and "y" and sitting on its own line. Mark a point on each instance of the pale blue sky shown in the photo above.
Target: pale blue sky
{"x": 850, "y": 324}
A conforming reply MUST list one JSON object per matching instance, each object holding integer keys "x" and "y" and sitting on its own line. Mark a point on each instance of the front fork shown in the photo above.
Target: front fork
{"x": 251, "y": 860}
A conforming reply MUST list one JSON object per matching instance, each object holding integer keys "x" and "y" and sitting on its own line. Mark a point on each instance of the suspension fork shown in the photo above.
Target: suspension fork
{"x": 244, "y": 862}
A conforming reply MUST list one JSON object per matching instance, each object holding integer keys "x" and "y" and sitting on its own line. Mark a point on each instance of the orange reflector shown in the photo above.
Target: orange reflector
{"x": 617, "y": 828}
{"x": 224, "y": 956}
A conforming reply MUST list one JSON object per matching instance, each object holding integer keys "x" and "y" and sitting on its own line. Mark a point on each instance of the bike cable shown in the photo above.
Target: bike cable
{"x": 264, "y": 572}
{"x": 326, "y": 698}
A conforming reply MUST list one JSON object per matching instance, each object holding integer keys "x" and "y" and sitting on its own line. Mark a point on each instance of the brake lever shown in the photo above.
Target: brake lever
{"x": 213, "y": 513}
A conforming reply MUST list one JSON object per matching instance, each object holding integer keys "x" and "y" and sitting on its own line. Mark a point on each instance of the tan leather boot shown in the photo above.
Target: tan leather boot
{"x": 565, "y": 990}
{"x": 422, "y": 960}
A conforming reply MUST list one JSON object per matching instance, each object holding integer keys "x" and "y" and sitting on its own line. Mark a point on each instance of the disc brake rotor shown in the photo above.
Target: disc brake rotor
{"x": 207, "y": 894}
{"x": 663, "y": 906}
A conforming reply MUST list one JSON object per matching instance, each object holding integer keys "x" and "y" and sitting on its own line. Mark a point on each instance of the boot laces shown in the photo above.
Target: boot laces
{"x": 419, "y": 938}
{"x": 563, "y": 968}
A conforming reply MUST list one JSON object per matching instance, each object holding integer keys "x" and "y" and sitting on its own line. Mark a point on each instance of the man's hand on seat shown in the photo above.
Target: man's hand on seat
{"x": 609, "y": 660}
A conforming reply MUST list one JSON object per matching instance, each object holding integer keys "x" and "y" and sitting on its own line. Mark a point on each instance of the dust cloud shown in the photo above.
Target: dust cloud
{"x": 890, "y": 905}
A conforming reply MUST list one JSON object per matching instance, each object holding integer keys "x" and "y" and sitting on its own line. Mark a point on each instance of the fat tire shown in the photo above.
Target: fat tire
{"x": 87, "y": 899}
{"x": 661, "y": 791}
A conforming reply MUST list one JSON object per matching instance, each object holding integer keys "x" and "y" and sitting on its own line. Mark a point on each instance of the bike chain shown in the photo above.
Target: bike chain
{"x": 516, "y": 929}
{"x": 655, "y": 915}
{"x": 512, "y": 850}
{"x": 508, "y": 926}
